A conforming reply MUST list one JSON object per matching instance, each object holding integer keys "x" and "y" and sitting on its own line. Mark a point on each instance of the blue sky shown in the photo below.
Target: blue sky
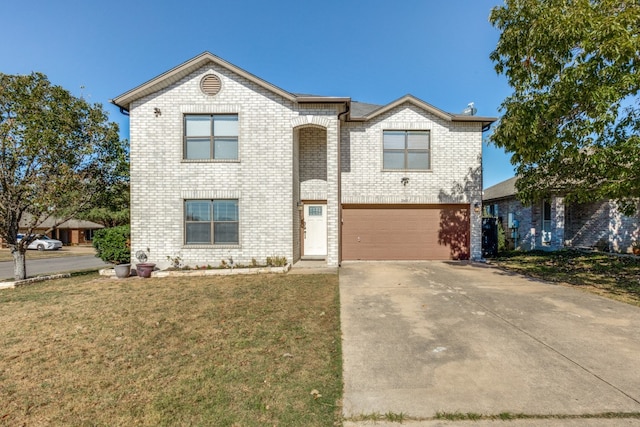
{"x": 370, "y": 50}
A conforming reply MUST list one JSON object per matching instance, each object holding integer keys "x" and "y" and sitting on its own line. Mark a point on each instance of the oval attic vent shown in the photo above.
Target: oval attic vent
{"x": 210, "y": 84}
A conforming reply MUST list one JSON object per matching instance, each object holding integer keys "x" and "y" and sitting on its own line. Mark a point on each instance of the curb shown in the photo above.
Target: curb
{"x": 17, "y": 283}
{"x": 212, "y": 272}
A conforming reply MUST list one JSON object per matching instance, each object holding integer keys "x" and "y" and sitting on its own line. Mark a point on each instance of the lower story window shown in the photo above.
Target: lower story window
{"x": 211, "y": 222}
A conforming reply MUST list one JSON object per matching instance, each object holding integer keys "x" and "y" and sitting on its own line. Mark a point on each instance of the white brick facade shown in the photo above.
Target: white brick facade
{"x": 454, "y": 177}
{"x": 288, "y": 151}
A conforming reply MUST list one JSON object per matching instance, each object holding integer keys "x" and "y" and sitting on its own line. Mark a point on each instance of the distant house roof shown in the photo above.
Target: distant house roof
{"x": 501, "y": 190}
{"x": 68, "y": 224}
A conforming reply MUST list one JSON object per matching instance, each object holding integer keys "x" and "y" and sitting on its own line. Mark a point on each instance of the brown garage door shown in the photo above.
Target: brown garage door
{"x": 415, "y": 232}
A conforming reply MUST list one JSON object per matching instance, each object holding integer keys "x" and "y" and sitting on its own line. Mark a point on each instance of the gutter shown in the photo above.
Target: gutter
{"x": 322, "y": 100}
{"x": 124, "y": 111}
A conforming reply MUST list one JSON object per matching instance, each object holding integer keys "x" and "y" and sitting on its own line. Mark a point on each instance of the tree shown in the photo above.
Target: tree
{"x": 112, "y": 208}
{"x": 572, "y": 122}
{"x": 57, "y": 155}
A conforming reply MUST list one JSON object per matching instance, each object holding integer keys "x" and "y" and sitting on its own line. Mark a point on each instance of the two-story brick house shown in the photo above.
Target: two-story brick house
{"x": 226, "y": 165}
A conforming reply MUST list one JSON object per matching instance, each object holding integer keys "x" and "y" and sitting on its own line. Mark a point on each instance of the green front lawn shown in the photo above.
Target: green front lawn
{"x": 610, "y": 275}
{"x": 225, "y": 351}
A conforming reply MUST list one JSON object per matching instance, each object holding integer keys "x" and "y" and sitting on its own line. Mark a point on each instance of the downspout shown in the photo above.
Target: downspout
{"x": 344, "y": 113}
{"x": 485, "y": 127}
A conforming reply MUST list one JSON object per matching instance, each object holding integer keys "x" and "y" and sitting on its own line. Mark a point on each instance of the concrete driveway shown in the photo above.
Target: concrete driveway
{"x": 428, "y": 337}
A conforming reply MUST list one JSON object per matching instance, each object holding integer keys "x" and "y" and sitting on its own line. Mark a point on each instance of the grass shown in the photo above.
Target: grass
{"x": 616, "y": 277}
{"x": 393, "y": 417}
{"x": 224, "y": 351}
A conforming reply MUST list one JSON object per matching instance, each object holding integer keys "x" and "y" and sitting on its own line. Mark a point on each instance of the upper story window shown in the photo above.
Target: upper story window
{"x": 213, "y": 136}
{"x": 406, "y": 150}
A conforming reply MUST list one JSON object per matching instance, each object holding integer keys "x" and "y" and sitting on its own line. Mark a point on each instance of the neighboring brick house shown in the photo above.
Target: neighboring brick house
{"x": 71, "y": 232}
{"x": 553, "y": 224}
{"x": 226, "y": 165}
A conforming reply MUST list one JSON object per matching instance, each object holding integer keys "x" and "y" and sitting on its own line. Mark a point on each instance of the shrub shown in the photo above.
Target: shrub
{"x": 112, "y": 244}
{"x": 276, "y": 261}
{"x": 502, "y": 238}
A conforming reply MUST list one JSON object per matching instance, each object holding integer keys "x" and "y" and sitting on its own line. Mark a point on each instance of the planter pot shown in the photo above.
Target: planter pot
{"x": 122, "y": 270}
{"x": 636, "y": 251}
{"x": 144, "y": 269}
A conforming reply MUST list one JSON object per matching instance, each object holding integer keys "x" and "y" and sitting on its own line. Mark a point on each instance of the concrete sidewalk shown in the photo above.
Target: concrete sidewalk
{"x": 600, "y": 422}
{"x": 423, "y": 338}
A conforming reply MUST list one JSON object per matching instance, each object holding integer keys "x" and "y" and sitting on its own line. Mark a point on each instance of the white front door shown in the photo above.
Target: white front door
{"x": 315, "y": 230}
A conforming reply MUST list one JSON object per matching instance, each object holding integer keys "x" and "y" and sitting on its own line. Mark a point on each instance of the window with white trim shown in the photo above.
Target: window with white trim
{"x": 211, "y": 136}
{"x": 211, "y": 222}
{"x": 406, "y": 150}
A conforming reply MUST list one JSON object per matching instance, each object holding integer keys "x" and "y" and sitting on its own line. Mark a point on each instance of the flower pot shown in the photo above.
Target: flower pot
{"x": 144, "y": 269}
{"x": 636, "y": 251}
{"x": 122, "y": 270}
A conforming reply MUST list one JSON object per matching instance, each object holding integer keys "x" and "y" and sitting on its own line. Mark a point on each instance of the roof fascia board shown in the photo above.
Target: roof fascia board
{"x": 499, "y": 198}
{"x": 159, "y": 82}
{"x": 322, "y": 100}
{"x": 465, "y": 118}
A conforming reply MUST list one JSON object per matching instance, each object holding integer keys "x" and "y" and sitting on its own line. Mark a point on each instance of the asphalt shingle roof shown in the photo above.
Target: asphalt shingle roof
{"x": 361, "y": 109}
{"x": 501, "y": 190}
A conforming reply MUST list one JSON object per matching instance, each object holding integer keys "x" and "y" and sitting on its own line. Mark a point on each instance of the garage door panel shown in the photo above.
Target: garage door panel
{"x": 436, "y": 232}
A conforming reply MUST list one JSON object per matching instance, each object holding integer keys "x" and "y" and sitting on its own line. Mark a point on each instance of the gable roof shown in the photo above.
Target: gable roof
{"x": 368, "y": 113}
{"x": 501, "y": 190}
{"x": 356, "y": 111}
{"x": 175, "y": 74}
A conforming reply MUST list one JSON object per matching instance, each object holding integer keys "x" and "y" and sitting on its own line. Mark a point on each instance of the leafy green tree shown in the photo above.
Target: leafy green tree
{"x": 112, "y": 208}
{"x": 58, "y": 154}
{"x": 572, "y": 122}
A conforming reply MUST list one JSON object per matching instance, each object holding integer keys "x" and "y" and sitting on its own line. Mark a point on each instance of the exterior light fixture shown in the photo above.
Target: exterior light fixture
{"x": 157, "y": 112}
{"x": 476, "y": 207}
{"x": 404, "y": 181}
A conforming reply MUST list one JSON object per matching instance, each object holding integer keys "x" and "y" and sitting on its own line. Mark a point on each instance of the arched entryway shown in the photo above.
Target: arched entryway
{"x": 310, "y": 188}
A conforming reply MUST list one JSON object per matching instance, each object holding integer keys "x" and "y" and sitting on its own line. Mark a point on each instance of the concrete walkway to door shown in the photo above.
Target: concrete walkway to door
{"x": 427, "y": 337}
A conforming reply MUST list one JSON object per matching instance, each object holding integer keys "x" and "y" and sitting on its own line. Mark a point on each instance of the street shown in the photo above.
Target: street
{"x": 37, "y": 267}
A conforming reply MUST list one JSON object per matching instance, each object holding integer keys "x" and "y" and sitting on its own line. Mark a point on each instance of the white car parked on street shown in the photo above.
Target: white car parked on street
{"x": 43, "y": 243}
